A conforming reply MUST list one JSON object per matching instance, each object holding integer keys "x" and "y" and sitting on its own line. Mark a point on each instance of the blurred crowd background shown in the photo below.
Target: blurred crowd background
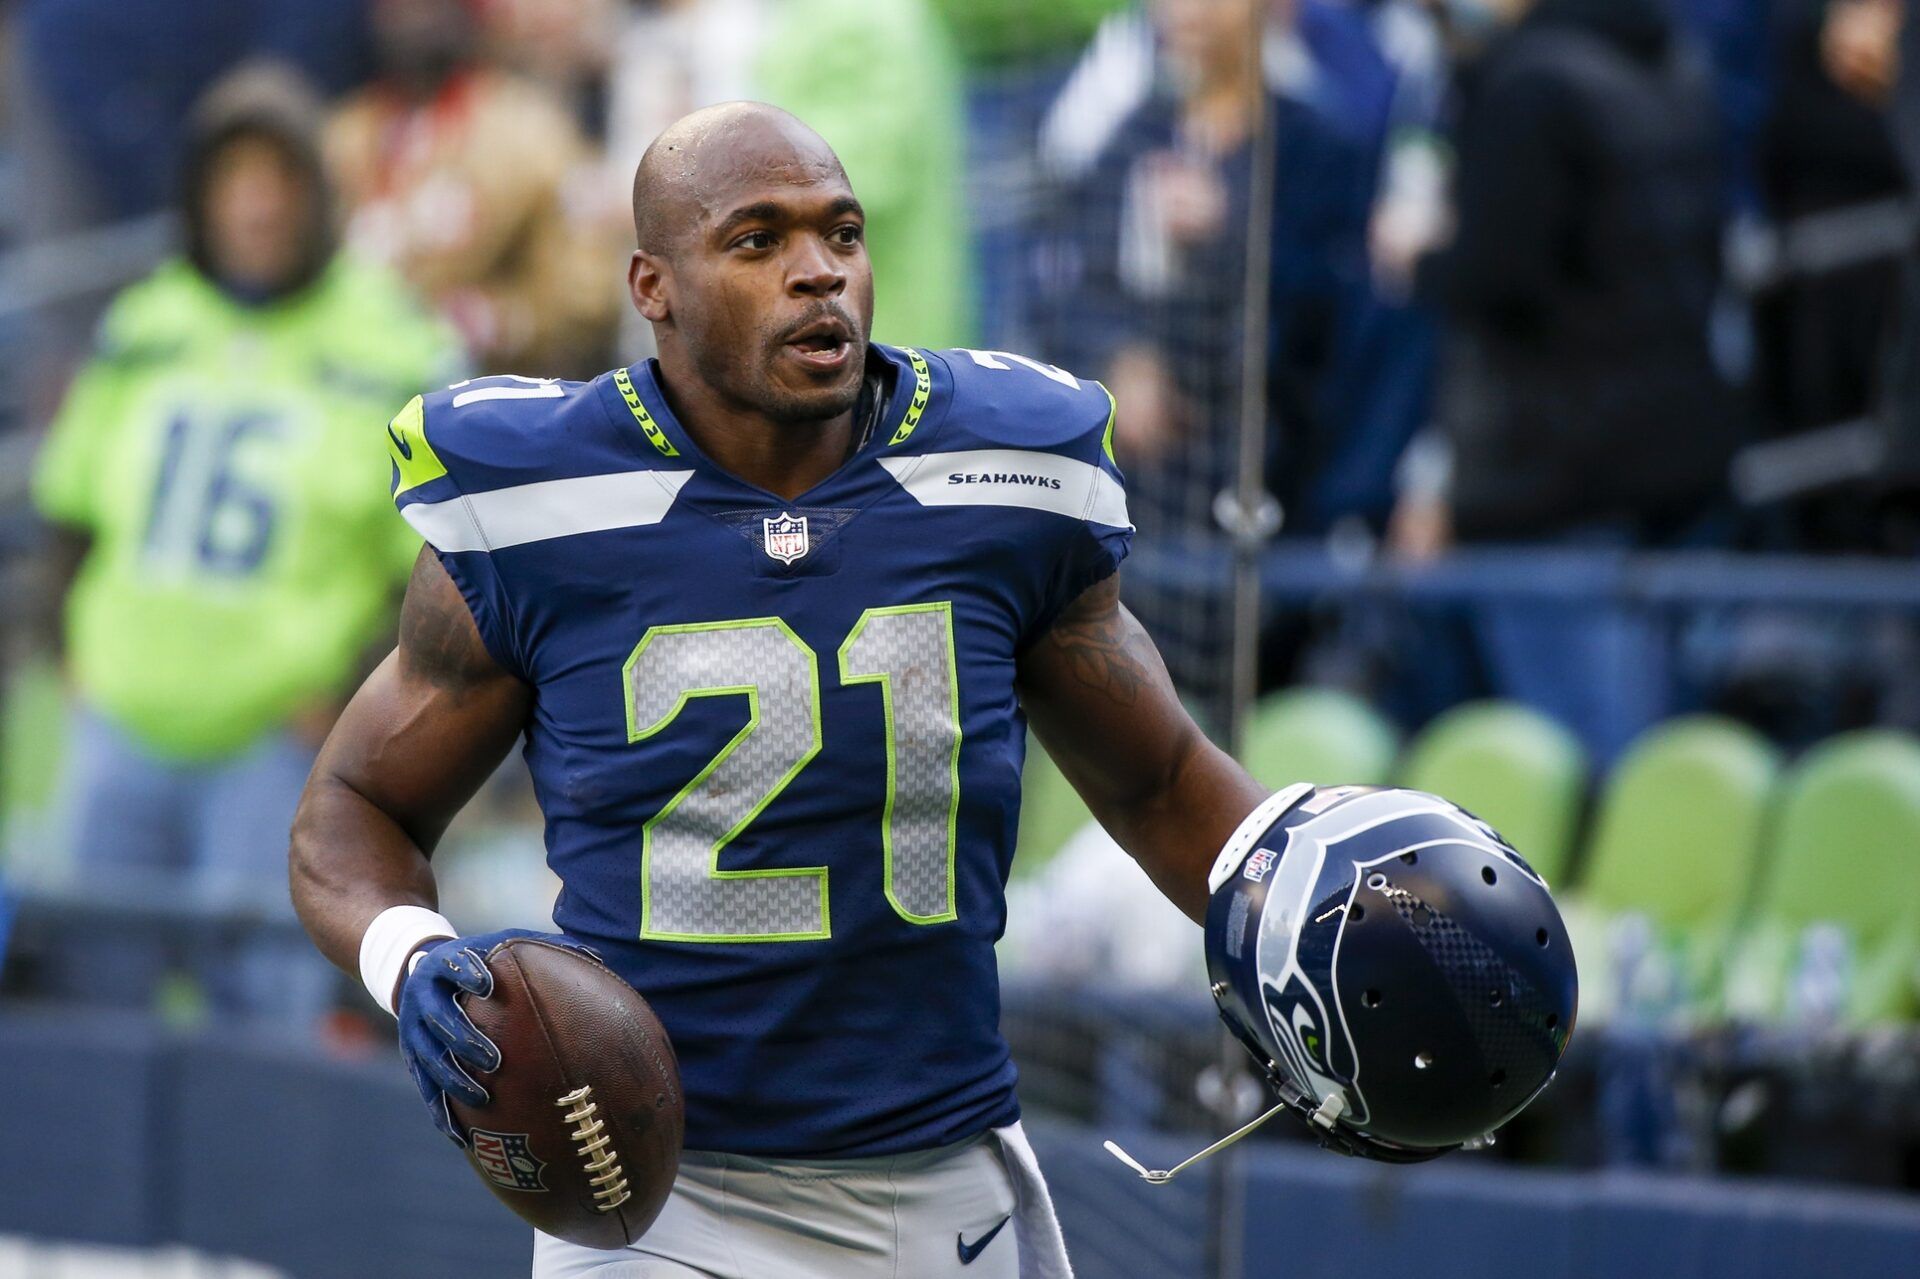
{"x": 1548, "y": 366}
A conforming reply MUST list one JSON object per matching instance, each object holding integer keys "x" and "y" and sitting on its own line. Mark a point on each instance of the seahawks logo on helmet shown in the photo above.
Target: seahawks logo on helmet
{"x": 1389, "y": 920}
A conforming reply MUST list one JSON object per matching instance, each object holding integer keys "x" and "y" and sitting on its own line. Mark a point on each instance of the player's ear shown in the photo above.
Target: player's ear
{"x": 647, "y": 285}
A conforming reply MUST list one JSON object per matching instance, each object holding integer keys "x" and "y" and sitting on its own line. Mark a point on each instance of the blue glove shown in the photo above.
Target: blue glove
{"x": 442, "y": 1047}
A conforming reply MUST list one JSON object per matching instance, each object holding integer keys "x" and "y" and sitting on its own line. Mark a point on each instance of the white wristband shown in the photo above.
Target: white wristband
{"x": 390, "y": 939}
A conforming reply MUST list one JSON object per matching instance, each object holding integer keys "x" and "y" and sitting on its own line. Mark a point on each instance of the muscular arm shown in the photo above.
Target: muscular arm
{"x": 414, "y": 744}
{"x": 1098, "y": 697}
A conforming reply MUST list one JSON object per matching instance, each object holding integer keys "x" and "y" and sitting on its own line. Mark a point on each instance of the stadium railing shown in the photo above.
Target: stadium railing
{"x": 241, "y": 1145}
{"x": 1300, "y": 571}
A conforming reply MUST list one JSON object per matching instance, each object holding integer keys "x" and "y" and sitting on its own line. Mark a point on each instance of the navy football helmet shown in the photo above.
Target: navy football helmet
{"x": 1400, "y": 973}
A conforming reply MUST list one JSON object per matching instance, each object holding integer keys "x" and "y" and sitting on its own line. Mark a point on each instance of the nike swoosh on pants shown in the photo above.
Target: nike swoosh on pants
{"x": 968, "y": 1251}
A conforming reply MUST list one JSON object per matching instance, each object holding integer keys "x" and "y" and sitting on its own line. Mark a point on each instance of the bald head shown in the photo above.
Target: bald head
{"x": 752, "y": 265}
{"x": 702, "y": 162}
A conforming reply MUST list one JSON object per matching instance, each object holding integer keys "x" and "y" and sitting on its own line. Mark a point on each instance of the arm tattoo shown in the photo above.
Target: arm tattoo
{"x": 1105, "y": 648}
{"x": 438, "y": 639}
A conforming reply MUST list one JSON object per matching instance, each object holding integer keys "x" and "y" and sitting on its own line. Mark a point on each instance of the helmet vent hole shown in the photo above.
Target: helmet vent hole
{"x": 1376, "y": 881}
{"x": 1355, "y": 912}
{"x": 1422, "y": 917}
{"x": 1370, "y": 998}
{"x": 1540, "y": 936}
{"x": 1423, "y": 1061}
{"x": 1410, "y": 858}
{"x": 1486, "y": 873}
{"x": 1497, "y": 1078}
{"x": 1553, "y": 1020}
{"x": 1495, "y": 998}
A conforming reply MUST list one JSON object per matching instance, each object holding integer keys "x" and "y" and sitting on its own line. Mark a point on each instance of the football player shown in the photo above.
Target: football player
{"x": 771, "y": 614}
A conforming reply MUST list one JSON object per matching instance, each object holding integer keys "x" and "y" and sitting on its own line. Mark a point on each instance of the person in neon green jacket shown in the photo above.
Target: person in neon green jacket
{"x": 880, "y": 80}
{"x": 238, "y": 561}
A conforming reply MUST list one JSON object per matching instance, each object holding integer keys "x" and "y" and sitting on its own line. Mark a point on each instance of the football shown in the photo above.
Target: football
{"x": 582, "y": 1135}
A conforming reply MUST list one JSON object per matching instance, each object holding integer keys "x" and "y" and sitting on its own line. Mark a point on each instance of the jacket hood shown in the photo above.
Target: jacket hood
{"x": 1641, "y": 28}
{"x": 273, "y": 102}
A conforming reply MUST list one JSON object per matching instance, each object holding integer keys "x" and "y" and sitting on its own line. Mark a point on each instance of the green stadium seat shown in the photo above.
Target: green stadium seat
{"x": 1318, "y": 735}
{"x": 1838, "y": 908}
{"x": 1512, "y": 767}
{"x": 1675, "y": 844}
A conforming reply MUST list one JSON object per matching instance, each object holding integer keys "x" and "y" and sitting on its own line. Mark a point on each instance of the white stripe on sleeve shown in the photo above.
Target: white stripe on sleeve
{"x": 545, "y": 391}
{"x": 548, "y": 509}
{"x": 1013, "y": 477}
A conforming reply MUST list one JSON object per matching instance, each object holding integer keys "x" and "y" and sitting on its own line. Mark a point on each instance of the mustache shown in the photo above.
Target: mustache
{"x": 816, "y": 314}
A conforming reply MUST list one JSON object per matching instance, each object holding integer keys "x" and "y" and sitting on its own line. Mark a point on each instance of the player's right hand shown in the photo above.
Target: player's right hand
{"x": 443, "y": 1049}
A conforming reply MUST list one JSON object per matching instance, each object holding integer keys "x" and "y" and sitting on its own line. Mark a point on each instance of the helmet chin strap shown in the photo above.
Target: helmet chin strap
{"x": 1328, "y": 1112}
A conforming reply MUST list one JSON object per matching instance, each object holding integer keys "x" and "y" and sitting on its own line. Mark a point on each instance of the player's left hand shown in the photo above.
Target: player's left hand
{"x": 443, "y": 1049}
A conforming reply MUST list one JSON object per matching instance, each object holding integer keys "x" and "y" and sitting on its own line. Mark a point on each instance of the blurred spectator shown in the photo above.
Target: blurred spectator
{"x": 1581, "y": 402}
{"x": 880, "y": 81}
{"x": 1152, "y": 142}
{"x": 1144, "y": 277}
{"x": 1150, "y": 265}
{"x": 218, "y": 475}
{"x": 1827, "y": 147}
{"x": 1582, "y": 279}
{"x": 676, "y": 56}
{"x": 1152, "y": 146}
{"x": 1901, "y": 411}
{"x": 1091, "y": 916}
{"x": 563, "y": 45}
{"x": 97, "y": 95}
{"x": 478, "y": 186}
{"x": 877, "y": 78}
{"x": 673, "y": 57}
{"x": 108, "y": 87}
{"x": 1736, "y": 38}
{"x": 1000, "y": 33}
{"x": 1360, "y": 167}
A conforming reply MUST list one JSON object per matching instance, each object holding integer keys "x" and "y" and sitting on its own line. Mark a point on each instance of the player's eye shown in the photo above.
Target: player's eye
{"x": 850, "y": 234}
{"x": 755, "y": 240}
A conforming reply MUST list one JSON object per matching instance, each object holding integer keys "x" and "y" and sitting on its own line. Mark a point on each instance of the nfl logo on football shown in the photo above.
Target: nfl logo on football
{"x": 786, "y": 537}
{"x": 507, "y": 1159}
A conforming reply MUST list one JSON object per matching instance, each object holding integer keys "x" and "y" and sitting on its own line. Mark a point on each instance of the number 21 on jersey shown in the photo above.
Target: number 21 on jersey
{"x": 908, "y": 650}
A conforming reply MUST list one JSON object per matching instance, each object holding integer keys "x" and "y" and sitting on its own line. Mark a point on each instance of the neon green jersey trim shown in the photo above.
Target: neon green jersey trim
{"x": 648, "y": 427}
{"x": 922, "y": 393}
{"x": 1113, "y": 409}
{"x": 411, "y": 452}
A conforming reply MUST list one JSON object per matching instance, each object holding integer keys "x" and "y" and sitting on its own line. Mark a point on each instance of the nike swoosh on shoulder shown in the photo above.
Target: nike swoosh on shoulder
{"x": 968, "y": 1251}
{"x": 405, "y": 449}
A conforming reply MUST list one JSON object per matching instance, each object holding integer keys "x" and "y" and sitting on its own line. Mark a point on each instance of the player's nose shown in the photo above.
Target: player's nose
{"x": 814, "y": 270}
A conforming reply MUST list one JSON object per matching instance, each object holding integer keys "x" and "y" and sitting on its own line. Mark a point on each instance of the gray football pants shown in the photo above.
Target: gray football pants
{"x": 912, "y": 1216}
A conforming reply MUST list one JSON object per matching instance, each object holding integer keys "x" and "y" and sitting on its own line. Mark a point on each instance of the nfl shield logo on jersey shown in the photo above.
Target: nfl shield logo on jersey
{"x": 507, "y": 1159}
{"x": 786, "y": 537}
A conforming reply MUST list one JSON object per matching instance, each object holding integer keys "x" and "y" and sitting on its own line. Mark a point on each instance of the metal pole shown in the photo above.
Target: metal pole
{"x": 1249, "y": 516}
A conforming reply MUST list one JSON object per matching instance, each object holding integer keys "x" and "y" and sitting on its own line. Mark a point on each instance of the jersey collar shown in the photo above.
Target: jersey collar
{"x": 906, "y": 382}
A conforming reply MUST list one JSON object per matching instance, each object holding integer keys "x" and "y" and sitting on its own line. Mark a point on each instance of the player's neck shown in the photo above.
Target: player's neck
{"x": 784, "y": 457}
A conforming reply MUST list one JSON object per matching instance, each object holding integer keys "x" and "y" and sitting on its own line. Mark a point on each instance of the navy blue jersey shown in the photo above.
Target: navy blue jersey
{"x": 776, "y": 743}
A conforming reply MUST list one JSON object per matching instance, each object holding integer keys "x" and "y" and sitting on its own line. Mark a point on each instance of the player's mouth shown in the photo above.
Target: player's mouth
{"x": 823, "y": 346}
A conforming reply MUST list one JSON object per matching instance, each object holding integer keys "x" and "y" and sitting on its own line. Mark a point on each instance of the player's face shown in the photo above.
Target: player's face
{"x": 258, "y": 211}
{"x": 773, "y": 295}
